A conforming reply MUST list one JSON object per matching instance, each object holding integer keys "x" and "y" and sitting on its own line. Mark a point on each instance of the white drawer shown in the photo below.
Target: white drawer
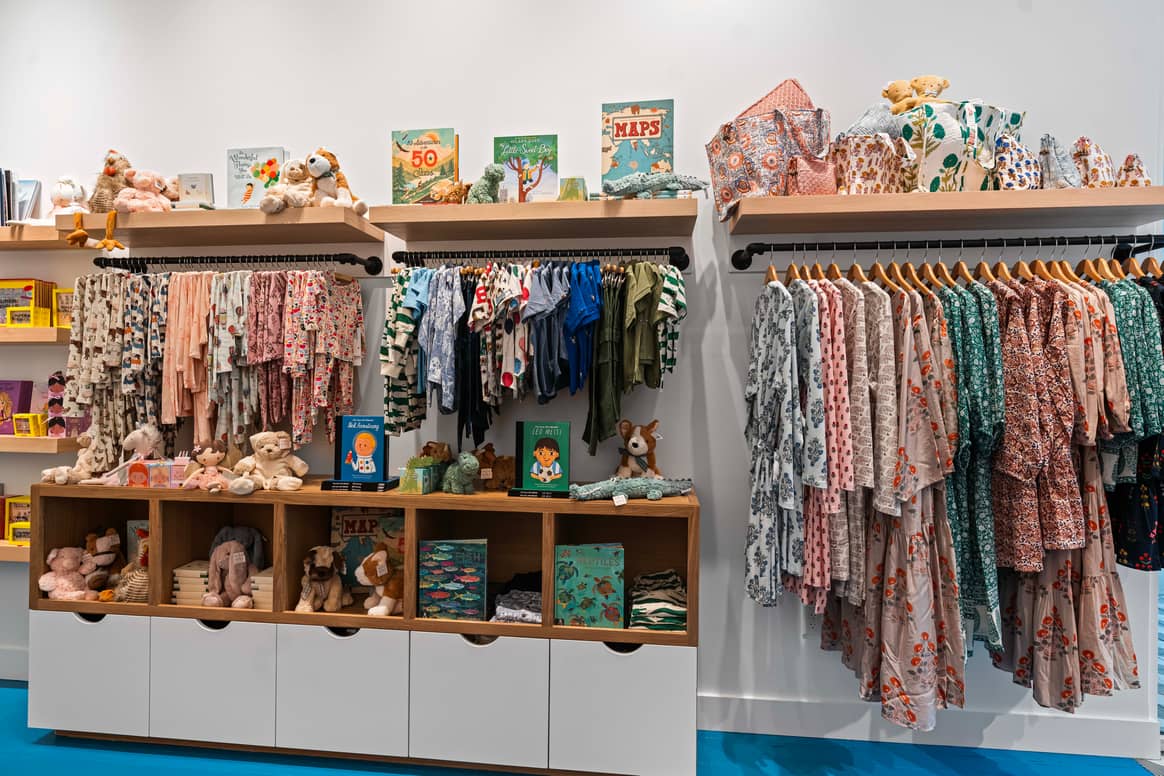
{"x": 212, "y": 685}
{"x": 615, "y": 712}
{"x": 342, "y": 693}
{"x": 479, "y": 704}
{"x": 89, "y": 676}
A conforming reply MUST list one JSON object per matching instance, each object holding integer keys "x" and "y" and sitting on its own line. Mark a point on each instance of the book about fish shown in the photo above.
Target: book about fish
{"x": 637, "y": 137}
{"x": 531, "y": 167}
{"x": 361, "y": 455}
{"x": 425, "y": 162}
{"x": 543, "y": 453}
{"x": 588, "y": 585}
{"x": 250, "y": 172}
{"x": 356, "y": 530}
{"x": 451, "y": 576}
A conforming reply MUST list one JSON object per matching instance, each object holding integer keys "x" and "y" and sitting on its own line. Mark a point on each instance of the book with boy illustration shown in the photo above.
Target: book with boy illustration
{"x": 531, "y": 167}
{"x": 543, "y": 459}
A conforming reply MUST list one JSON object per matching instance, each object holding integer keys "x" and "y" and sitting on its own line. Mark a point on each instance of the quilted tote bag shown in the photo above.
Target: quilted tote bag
{"x": 1096, "y": 170}
{"x": 1132, "y": 173}
{"x": 940, "y": 142}
{"x": 871, "y": 164}
{"x": 1058, "y": 169}
{"x": 1016, "y": 168}
{"x": 985, "y": 124}
{"x": 809, "y": 175}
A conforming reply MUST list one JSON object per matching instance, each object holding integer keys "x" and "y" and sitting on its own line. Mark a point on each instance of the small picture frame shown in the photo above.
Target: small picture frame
{"x": 63, "y": 307}
{"x": 26, "y": 424}
{"x": 19, "y": 533}
{"x": 18, "y": 316}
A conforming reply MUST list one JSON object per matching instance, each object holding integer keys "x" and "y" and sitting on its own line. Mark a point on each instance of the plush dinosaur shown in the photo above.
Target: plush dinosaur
{"x": 639, "y": 487}
{"x": 460, "y": 475}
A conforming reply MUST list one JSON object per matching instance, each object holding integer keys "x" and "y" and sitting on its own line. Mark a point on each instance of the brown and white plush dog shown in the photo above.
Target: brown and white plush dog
{"x": 329, "y": 186}
{"x": 322, "y": 586}
{"x": 638, "y": 450}
{"x": 386, "y": 580}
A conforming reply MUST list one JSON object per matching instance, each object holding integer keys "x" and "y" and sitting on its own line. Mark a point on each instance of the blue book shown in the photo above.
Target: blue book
{"x": 588, "y": 585}
{"x": 361, "y": 455}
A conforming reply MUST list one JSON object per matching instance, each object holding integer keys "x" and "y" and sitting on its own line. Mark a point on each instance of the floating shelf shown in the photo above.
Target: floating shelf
{"x": 950, "y": 211}
{"x": 191, "y": 228}
{"x": 30, "y": 238}
{"x": 34, "y": 335}
{"x": 539, "y": 220}
{"x": 13, "y": 553}
{"x": 47, "y": 445}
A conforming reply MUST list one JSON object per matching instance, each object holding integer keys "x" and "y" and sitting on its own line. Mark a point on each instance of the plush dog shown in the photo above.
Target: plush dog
{"x": 145, "y": 193}
{"x": 439, "y": 452}
{"x": 294, "y": 191}
{"x": 638, "y": 450}
{"x": 386, "y": 580}
{"x": 502, "y": 469}
{"x": 109, "y": 183}
{"x": 329, "y": 186}
{"x": 272, "y": 466}
{"x": 322, "y": 586}
{"x": 65, "y": 580}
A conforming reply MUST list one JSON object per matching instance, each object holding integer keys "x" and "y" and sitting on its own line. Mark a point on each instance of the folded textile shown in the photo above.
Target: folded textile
{"x": 659, "y": 602}
{"x": 518, "y": 606}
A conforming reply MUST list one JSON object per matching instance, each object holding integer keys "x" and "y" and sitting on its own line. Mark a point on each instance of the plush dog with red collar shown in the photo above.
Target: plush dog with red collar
{"x": 638, "y": 450}
{"x": 329, "y": 186}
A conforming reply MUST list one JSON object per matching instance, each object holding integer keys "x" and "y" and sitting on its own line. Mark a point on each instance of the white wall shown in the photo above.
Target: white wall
{"x": 174, "y": 85}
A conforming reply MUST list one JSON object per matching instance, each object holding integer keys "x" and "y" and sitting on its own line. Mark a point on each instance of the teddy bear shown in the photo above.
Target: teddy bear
{"x": 638, "y": 450}
{"x": 900, "y": 96}
{"x": 928, "y": 88}
{"x": 105, "y": 550}
{"x": 173, "y": 189}
{"x": 67, "y": 196}
{"x": 272, "y": 466}
{"x": 460, "y": 475}
{"x": 294, "y": 191}
{"x": 208, "y": 474}
{"x": 386, "y": 580}
{"x": 65, "y": 581}
{"x": 322, "y": 587}
{"x": 109, "y": 183}
{"x": 498, "y": 472}
{"x": 487, "y": 186}
{"x": 143, "y": 194}
{"x": 83, "y": 469}
{"x": 329, "y": 186}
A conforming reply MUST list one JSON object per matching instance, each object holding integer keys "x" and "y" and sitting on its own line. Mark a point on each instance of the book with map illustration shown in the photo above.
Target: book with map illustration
{"x": 356, "y": 530}
{"x": 637, "y": 137}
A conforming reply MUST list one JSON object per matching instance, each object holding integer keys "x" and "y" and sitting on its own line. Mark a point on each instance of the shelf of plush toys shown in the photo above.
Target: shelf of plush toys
{"x": 20, "y": 237}
{"x": 38, "y": 444}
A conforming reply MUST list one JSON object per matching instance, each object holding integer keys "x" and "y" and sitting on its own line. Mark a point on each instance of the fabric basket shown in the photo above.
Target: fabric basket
{"x": 1096, "y": 170}
{"x": 1133, "y": 173}
{"x": 955, "y": 142}
{"x": 871, "y": 164}
{"x": 1016, "y": 168}
{"x": 1057, "y": 167}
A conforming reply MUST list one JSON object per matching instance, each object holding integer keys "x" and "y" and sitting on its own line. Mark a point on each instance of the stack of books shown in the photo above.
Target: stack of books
{"x": 190, "y": 583}
{"x": 18, "y": 198}
{"x": 262, "y": 585}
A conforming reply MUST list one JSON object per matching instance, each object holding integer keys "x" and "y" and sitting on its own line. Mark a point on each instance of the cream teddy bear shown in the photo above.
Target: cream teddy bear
{"x": 272, "y": 466}
{"x": 294, "y": 191}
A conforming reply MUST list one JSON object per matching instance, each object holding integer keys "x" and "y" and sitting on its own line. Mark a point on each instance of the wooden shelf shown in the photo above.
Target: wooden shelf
{"x": 46, "y": 445}
{"x": 13, "y": 553}
{"x": 30, "y": 238}
{"x": 539, "y": 220}
{"x": 192, "y": 228}
{"x": 34, "y": 335}
{"x": 950, "y": 211}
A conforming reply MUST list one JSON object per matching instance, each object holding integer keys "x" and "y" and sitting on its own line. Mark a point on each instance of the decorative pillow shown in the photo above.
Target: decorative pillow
{"x": 1096, "y": 170}
{"x": 1058, "y": 170}
{"x": 1133, "y": 172}
{"x": 1015, "y": 166}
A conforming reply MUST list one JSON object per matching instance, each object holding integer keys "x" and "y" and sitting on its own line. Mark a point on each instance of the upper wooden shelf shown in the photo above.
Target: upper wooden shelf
{"x": 539, "y": 220}
{"x": 47, "y": 445}
{"x": 30, "y": 238}
{"x": 192, "y": 228}
{"x": 33, "y": 335}
{"x": 955, "y": 210}
{"x": 13, "y": 553}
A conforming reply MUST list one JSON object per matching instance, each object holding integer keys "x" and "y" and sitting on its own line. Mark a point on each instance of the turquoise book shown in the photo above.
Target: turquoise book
{"x": 451, "y": 576}
{"x": 356, "y": 530}
{"x": 531, "y": 167}
{"x": 637, "y": 137}
{"x": 588, "y": 585}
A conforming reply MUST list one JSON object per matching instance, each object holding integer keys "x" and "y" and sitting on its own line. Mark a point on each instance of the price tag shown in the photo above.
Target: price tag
{"x": 238, "y": 557}
{"x": 486, "y": 474}
{"x": 284, "y": 443}
{"x": 619, "y": 500}
{"x": 382, "y": 568}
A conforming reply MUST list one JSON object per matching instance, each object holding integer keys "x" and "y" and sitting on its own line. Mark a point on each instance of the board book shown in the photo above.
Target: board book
{"x": 543, "y": 458}
{"x": 361, "y": 455}
{"x": 588, "y": 585}
{"x": 451, "y": 576}
{"x": 425, "y": 162}
{"x": 250, "y": 172}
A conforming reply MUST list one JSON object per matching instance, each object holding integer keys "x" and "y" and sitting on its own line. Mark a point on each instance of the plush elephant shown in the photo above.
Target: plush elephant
{"x": 229, "y": 580}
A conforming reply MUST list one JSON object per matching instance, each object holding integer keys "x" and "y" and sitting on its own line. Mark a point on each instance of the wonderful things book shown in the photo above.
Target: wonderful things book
{"x": 637, "y": 137}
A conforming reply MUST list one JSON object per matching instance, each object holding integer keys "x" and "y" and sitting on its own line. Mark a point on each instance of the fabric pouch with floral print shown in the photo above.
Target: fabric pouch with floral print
{"x": 1133, "y": 173}
{"x": 1059, "y": 171}
{"x": 1016, "y": 168}
{"x": 871, "y": 164}
{"x": 1096, "y": 170}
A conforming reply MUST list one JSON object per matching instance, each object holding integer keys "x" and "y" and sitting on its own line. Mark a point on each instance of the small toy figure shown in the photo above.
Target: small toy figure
{"x": 272, "y": 466}
{"x": 545, "y": 466}
{"x": 460, "y": 475}
{"x": 486, "y": 188}
{"x": 638, "y": 450}
{"x": 82, "y": 470}
{"x": 364, "y": 446}
{"x": 67, "y": 196}
{"x": 209, "y": 475}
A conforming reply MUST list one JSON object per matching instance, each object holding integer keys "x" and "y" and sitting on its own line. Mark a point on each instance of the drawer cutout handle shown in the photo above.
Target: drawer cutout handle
{"x": 621, "y": 647}
{"x": 213, "y": 625}
{"x": 341, "y": 633}
{"x": 478, "y": 640}
{"x": 88, "y": 616}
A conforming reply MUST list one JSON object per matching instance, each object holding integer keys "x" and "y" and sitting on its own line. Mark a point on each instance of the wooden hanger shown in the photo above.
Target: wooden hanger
{"x": 1087, "y": 269}
{"x": 856, "y": 273}
{"x": 983, "y": 272}
{"x": 910, "y": 274}
{"x": 1132, "y": 267}
{"x": 1023, "y": 270}
{"x": 930, "y": 277}
{"x": 772, "y": 275}
{"x": 962, "y": 271}
{"x": 1152, "y": 267}
{"x": 943, "y": 272}
{"x": 817, "y": 272}
{"x": 1067, "y": 271}
{"x": 1002, "y": 271}
{"x": 792, "y": 273}
{"x": 1039, "y": 267}
{"x": 878, "y": 273}
{"x": 834, "y": 272}
{"x": 894, "y": 271}
{"x": 1114, "y": 267}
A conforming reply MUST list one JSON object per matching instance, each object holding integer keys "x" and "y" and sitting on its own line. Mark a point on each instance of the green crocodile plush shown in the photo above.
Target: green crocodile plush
{"x": 641, "y": 184}
{"x": 460, "y": 475}
{"x": 635, "y": 487}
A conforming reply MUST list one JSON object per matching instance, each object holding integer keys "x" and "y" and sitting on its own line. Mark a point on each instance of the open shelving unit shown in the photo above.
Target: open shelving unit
{"x": 20, "y": 237}
{"x": 45, "y": 445}
{"x": 33, "y": 335}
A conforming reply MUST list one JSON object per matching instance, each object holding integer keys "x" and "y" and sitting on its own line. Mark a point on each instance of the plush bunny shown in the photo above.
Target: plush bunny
{"x": 65, "y": 581}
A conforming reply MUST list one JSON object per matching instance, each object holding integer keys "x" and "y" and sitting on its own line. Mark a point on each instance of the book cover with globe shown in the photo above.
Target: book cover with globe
{"x": 637, "y": 137}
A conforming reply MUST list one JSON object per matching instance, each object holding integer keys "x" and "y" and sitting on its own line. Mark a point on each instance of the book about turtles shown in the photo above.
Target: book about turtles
{"x": 637, "y": 137}
{"x": 425, "y": 162}
{"x": 356, "y": 530}
{"x": 250, "y": 172}
{"x": 531, "y": 167}
{"x": 588, "y": 585}
{"x": 451, "y": 575}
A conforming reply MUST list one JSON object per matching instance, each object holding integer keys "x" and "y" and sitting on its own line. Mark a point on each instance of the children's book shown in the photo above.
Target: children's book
{"x": 543, "y": 455}
{"x": 637, "y": 137}
{"x": 424, "y": 163}
{"x": 531, "y": 167}
{"x": 356, "y": 530}
{"x": 197, "y": 187}
{"x": 588, "y": 585}
{"x": 452, "y": 576}
{"x": 250, "y": 172}
{"x": 361, "y": 455}
{"x": 15, "y": 398}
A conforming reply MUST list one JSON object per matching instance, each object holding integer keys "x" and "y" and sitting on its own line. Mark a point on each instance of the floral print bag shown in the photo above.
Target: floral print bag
{"x": 1016, "y": 168}
{"x": 871, "y": 164}
{"x": 1133, "y": 173}
{"x": 1096, "y": 170}
{"x": 955, "y": 143}
{"x": 1058, "y": 170}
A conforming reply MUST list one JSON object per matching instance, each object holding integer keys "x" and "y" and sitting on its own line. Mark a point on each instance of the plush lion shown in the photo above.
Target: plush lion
{"x": 329, "y": 186}
{"x": 272, "y": 466}
{"x": 294, "y": 191}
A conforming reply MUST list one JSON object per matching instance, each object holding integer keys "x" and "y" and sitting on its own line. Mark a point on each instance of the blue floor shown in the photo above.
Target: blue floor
{"x": 26, "y": 751}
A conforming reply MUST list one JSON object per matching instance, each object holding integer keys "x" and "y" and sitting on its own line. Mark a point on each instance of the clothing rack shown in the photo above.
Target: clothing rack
{"x": 1123, "y": 245}
{"x": 373, "y": 265}
{"x": 676, "y": 256}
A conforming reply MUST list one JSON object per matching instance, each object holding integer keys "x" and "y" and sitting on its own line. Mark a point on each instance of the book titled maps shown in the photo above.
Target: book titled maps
{"x": 637, "y": 137}
{"x": 531, "y": 167}
{"x": 250, "y": 172}
{"x": 425, "y": 162}
{"x": 355, "y": 531}
{"x": 451, "y": 576}
{"x": 588, "y": 585}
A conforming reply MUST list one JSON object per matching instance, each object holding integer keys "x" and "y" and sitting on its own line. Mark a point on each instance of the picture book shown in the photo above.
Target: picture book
{"x": 451, "y": 576}
{"x": 17, "y": 509}
{"x": 249, "y": 172}
{"x": 15, "y": 398}
{"x": 361, "y": 455}
{"x": 531, "y": 167}
{"x": 197, "y": 187}
{"x": 424, "y": 163}
{"x": 356, "y": 530}
{"x": 63, "y": 308}
{"x": 588, "y": 585}
{"x": 637, "y": 137}
{"x": 543, "y": 455}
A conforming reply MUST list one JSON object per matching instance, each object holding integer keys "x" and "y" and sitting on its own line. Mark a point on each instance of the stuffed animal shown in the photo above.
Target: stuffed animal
{"x": 638, "y": 450}
{"x": 272, "y": 466}
{"x": 173, "y": 190}
{"x": 109, "y": 183}
{"x": 65, "y": 581}
{"x": 145, "y": 442}
{"x": 229, "y": 579}
{"x": 439, "y": 452}
{"x": 329, "y": 186}
{"x": 105, "y": 550}
{"x": 928, "y": 88}
{"x": 452, "y": 193}
{"x": 294, "y": 191}
{"x": 322, "y": 587}
{"x": 67, "y": 196}
{"x": 487, "y": 186}
{"x": 498, "y": 472}
{"x": 900, "y": 96}
{"x": 386, "y": 580}
{"x": 134, "y": 585}
{"x": 251, "y": 540}
{"x": 209, "y": 474}
{"x": 144, "y": 194}
{"x": 460, "y": 475}
{"x": 83, "y": 469}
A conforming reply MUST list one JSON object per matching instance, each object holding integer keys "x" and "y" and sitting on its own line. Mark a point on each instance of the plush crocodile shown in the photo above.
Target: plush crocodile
{"x": 642, "y": 183}
{"x": 635, "y": 487}
{"x": 460, "y": 475}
